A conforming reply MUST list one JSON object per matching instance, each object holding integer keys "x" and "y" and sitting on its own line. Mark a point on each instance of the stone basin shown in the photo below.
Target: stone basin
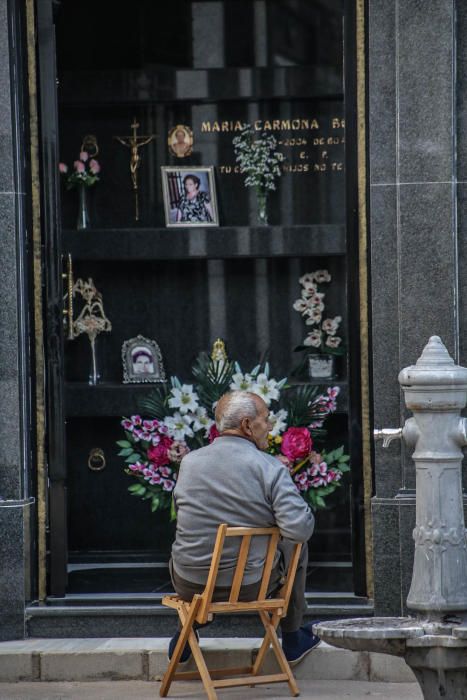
{"x": 386, "y": 635}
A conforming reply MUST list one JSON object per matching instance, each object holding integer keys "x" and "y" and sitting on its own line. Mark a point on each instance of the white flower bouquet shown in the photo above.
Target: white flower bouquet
{"x": 258, "y": 158}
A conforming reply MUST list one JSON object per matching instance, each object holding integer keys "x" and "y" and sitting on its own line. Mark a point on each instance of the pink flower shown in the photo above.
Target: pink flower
{"x": 178, "y": 451}
{"x": 213, "y": 433}
{"x": 94, "y": 166}
{"x": 158, "y": 454}
{"x": 136, "y": 467}
{"x": 155, "y": 439}
{"x": 319, "y": 469}
{"x": 165, "y": 472}
{"x": 156, "y": 479}
{"x": 127, "y": 424}
{"x": 318, "y": 481}
{"x": 79, "y": 166}
{"x": 285, "y": 460}
{"x": 63, "y": 168}
{"x": 148, "y": 425}
{"x": 302, "y": 481}
{"x": 136, "y": 420}
{"x": 296, "y": 443}
{"x": 333, "y": 392}
{"x": 84, "y": 156}
{"x": 144, "y": 435}
{"x": 168, "y": 484}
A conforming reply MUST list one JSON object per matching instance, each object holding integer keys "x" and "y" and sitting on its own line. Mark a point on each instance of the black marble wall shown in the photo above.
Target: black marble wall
{"x": 414, "y": 240}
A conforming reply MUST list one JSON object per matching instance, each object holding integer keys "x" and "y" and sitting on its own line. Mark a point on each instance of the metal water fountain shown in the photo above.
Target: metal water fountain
{"x": 433, "y": 641}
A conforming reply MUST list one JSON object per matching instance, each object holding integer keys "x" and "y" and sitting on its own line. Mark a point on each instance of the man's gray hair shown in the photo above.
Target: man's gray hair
{"x": 236, "y": 405}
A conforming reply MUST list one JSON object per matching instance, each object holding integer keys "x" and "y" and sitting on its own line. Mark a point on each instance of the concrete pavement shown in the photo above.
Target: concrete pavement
{"x": 141, "y": 690}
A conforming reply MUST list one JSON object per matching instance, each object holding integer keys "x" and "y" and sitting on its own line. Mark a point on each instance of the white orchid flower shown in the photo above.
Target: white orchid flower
{"x": 179, "y": 426}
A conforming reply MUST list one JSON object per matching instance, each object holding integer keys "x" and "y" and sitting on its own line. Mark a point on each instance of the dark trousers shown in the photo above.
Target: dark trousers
{"x": 297, "y": 604}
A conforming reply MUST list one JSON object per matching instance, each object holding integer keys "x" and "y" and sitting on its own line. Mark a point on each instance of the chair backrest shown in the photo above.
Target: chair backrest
{"x": 246, "y": 534}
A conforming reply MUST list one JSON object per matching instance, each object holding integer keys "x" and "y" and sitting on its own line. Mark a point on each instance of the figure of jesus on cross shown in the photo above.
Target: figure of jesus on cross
{"x": 134, "y": 143}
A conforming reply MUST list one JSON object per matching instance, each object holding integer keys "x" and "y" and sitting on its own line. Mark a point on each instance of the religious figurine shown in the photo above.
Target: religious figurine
{"x": 91, "y": 320}
{"x": 134, "y": 143}
{"x": 218, "y": 352}
{"x": 180, "y": 141}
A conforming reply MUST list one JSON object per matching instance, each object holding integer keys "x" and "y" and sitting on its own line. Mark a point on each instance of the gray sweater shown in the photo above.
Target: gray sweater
{"x": 231, "y": 481}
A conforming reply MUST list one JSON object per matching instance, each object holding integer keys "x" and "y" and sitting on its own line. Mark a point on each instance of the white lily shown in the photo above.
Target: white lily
{"x": 278, "y": 422}
{"x": 200, "y": 420}
{"x": 266, "y": 388}
{"x": 241, "y": 382}
{"x": 184, "y": 398}
{"x": 179, "y": 426}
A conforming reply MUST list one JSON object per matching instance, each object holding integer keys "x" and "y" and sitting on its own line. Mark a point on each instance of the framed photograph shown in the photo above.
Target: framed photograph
{"x": 189, "y": 196}
{"x": 142, "y": 361}
{"x": 180, "y": 141}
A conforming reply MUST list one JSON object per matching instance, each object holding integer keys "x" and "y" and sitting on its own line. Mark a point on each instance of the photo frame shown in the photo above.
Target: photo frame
{"x": 189, "y": 196}
{"x": 142, "y": 361}
{"x": 180, "y": 141}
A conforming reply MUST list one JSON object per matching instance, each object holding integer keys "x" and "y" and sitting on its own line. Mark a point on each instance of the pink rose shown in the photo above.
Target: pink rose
{"x": 296, "y": 443}
{"x": 178, "y": 451}
{"x": 94, "y": 166}
{"x": 79, "y": 166}
{"x": 213, "y": 433}
{"x": 63, "y": 168}
{"x": 158, "y": 454}
{"x": 84, "y": 156}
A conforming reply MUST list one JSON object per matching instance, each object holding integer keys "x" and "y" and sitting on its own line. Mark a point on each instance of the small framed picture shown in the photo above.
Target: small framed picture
{"x": 180, "y": 141}
{"x": 189, "y": 196}
{"x": 142, "y": 361}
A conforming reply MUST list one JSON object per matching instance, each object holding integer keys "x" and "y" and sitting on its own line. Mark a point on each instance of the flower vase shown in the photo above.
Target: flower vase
{"x": 94, "y": 375}
{"x": 321, "y": 366}
{"x": 262, "y": 198}
{"x": 83, "y": 216}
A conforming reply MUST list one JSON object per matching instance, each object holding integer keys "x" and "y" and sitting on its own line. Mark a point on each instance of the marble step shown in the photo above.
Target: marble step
{"x": 146, "y": 659}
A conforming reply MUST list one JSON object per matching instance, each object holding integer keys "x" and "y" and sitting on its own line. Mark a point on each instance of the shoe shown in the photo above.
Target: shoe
{"x": 186, "y": 653}
{"x": 296, "y": 645}
{"x": 308, "y": 629}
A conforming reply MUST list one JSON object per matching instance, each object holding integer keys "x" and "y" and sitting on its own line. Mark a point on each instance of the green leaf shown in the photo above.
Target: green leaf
{"x": 212, "y": 378}
{"x": 134, "y": 488}
{"x": 123, "y": 443}
{"x": 141, "y": 490}
{"x": 344, "y": 468}
{"x": 125, "y": 452}
{"x": 156, "y": 403}
{"x": 154, "y": 503}
{"x": 134, "y": 457}
{"x": 320, "y": 502}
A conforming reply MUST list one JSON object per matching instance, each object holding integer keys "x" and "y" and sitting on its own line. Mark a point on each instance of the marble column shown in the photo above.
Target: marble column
{"x": 15, "y": 425}
{"x": 413, "y": 243}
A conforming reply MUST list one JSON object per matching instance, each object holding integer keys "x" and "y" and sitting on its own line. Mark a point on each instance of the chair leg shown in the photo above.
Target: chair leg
{"x": 270, "y": 625}
{"x": 266, "y": 643}
{"x": 187, "y": 616}
{"x": 201, "y": 664}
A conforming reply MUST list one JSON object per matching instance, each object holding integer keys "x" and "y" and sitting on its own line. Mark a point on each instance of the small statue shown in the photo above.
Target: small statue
{"x": 218, "y": 352}
{"x": 91, "y": 320}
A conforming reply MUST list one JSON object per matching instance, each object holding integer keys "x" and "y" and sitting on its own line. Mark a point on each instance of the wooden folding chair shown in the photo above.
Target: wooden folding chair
{"x": 201, "y": 609}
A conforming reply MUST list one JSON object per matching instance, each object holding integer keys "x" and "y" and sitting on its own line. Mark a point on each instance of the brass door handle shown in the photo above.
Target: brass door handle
{"x": 68, "y": 296}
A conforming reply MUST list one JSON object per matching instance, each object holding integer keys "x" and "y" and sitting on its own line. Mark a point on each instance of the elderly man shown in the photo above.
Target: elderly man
{"x": 234, "y": 481}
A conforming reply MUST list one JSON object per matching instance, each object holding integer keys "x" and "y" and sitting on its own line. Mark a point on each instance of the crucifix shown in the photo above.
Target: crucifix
{"x": 134, "y": 143}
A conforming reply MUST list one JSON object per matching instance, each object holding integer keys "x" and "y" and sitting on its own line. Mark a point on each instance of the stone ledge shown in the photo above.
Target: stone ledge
{"x": 146, "y": 659}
